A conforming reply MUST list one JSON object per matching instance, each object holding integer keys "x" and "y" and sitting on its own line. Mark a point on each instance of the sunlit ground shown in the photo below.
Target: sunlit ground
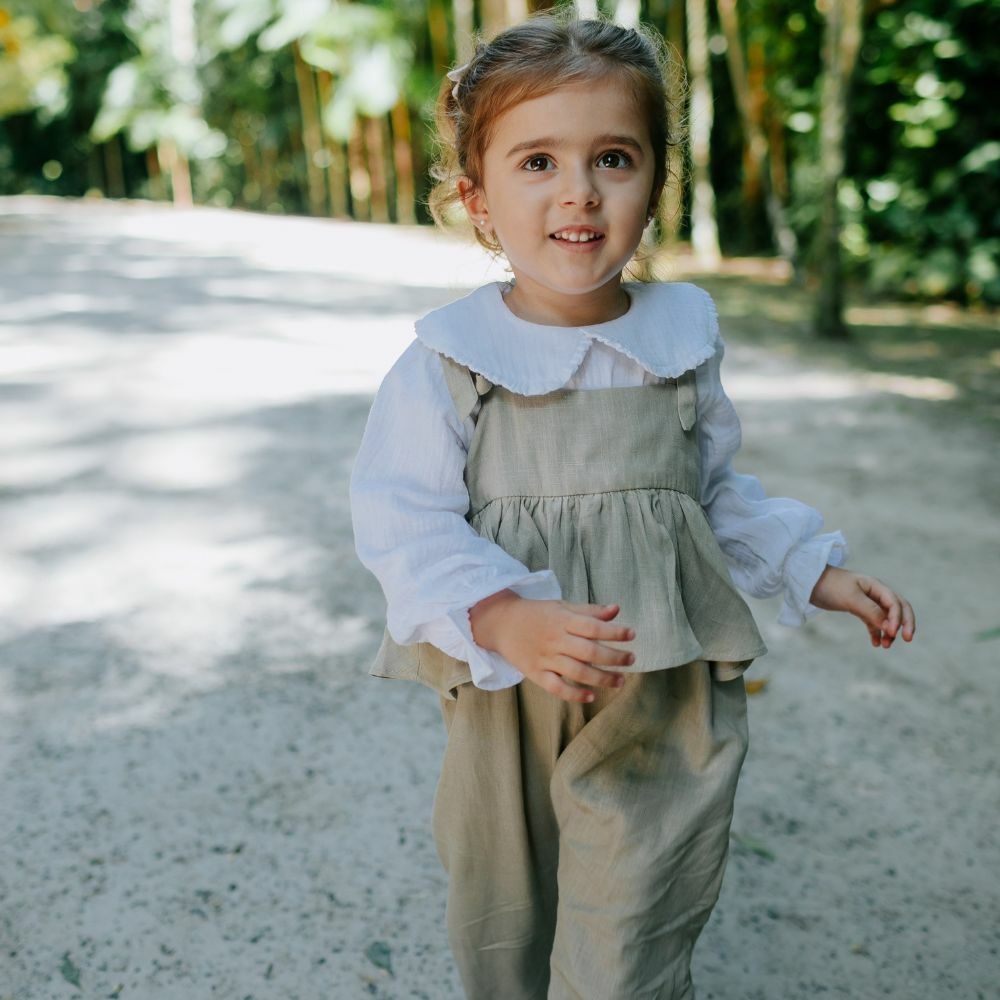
{"x": 184, "y": 629}
{"x": 159, "y": 370}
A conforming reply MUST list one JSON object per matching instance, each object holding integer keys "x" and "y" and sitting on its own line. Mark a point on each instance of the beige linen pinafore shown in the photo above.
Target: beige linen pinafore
{"x": 585, "y": 844}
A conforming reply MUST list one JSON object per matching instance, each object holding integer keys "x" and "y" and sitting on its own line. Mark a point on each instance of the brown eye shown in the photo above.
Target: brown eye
{"x": 614, "y": 159}
{"x": 537, "y": 163}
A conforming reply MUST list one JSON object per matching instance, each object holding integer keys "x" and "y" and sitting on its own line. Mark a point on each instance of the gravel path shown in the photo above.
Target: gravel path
{"x": 203, "y": 795}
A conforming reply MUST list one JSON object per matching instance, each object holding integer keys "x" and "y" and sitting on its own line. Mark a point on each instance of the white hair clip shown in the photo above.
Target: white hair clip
{"x": 456, "y": 75}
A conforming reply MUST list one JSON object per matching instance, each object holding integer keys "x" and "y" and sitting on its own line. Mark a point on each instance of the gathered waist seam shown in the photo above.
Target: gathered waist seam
{"x": 583, "y": 493}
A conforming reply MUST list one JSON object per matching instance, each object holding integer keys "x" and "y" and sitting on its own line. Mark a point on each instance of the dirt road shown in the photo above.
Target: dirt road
{"x": 203, "y": 795}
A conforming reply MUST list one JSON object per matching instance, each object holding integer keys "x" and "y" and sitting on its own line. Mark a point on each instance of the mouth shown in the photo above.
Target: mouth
{"x": 577, "y": 234}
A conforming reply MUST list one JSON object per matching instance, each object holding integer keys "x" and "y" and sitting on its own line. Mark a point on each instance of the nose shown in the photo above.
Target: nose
{"x": 579, "y": 187}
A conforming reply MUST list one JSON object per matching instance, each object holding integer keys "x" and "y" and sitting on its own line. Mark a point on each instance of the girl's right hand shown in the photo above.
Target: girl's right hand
{"x": 557, "y": 645}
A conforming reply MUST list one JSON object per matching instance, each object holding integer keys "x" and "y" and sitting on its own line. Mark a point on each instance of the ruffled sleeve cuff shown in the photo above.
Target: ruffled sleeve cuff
{"x": 803, "y": 568}
{"x": 490, "y": 671}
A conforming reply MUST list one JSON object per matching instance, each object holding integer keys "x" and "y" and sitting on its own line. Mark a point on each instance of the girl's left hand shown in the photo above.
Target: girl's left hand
{"x": 885, "y": 613}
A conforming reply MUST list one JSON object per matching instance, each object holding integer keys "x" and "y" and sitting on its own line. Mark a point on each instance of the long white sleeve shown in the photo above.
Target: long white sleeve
{"x": 409, "y": 502}
{"x": 408, "y": 505}
{"x": 772, "y": 544}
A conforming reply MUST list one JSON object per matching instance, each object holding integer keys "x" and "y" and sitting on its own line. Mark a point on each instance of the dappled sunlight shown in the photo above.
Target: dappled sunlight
{"x": 826, "y": 385}
{"x": 29, "y": 470}
{"x": 184, "y": 460}
{"x": 180, "y": 421}
{"x": 62, "y": 349}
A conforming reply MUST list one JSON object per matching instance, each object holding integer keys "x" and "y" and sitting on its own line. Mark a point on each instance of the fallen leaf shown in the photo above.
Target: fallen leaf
{"x": 751, "y": 846}
{"x": 69, "y": 971}
{"x": 380, "y": 955}
{"x": 756, "y": 684}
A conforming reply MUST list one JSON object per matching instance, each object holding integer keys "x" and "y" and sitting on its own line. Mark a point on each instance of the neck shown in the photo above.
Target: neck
{"x": 599, "y": 306}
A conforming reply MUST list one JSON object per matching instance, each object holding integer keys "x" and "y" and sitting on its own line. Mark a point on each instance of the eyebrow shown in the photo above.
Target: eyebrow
{"x": 548, "y": 142}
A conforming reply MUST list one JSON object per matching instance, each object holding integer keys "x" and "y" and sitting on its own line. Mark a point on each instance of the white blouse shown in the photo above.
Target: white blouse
{"x": 408, "y": 494}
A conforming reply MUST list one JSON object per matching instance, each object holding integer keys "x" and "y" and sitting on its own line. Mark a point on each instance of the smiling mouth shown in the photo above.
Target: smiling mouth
{"x": 577, "y": 236}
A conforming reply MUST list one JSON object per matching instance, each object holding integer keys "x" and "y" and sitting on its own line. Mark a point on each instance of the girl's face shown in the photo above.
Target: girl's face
{"x": 567, "y": 189}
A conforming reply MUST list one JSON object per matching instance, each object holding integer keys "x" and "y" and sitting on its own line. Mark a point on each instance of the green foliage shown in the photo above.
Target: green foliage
{"x": 363, "y": 46}
{"x": 921, "y": 197}
{"x": 156, "y": 96}
{"x": 48, "y": 150}
{"x": 926, "y": 161}
{"x": 33, "y": 64}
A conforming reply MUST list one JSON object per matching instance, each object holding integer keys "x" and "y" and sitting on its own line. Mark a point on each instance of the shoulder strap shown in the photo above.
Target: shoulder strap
{"x": 687, "y": 399}
{"x": 465, "y": 386}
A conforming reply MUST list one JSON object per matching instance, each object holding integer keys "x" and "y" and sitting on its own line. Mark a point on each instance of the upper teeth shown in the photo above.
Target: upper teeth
{"x": 576, "y": 237}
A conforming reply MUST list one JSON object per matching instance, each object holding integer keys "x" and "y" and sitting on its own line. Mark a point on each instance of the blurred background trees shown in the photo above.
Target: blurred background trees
{"x": 323, "y": 107}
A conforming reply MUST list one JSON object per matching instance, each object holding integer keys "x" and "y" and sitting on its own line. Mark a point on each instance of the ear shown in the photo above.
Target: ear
{"x": 474, "y": 200}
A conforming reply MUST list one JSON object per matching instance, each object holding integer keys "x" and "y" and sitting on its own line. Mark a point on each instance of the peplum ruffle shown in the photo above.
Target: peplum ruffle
{"x": 601, "y": 487}
{"x": 651, "y": 551}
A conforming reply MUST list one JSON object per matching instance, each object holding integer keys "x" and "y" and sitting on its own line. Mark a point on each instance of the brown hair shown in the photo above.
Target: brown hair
{"x": 533, "y": 59}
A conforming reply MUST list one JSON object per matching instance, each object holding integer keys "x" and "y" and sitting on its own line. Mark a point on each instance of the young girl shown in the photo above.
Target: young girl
{"x": 545, "y": 494}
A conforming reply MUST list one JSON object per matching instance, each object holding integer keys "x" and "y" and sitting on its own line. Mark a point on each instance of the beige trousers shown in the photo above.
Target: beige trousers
{"x": 585, "y": 844}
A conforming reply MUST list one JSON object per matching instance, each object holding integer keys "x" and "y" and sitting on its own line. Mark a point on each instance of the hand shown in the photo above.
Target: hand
{"x": 558, "y": 646}
{"x": 885, "y": 613}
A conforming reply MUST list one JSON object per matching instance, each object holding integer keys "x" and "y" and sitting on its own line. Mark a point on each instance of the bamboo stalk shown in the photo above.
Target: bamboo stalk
{"x": 312, "y": 135}
{"x": 360, "y": 181}
{"x": 113, "y": 169}
{"x": 437, "y": 27}
{"x": 403, "y": 163}
{"x": 753, "y": 136}
{"x": 375, "y": 156}
{"x": 704, "y": 229}
{"x": 841, "y": 43}
{"x": 336, "y": 168}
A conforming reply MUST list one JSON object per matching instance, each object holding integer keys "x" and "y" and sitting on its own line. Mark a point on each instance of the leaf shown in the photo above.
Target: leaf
{"x": 380, "y": 955}
{"x": 69, "y": 971}
{"x": 987, "y": 634}
{"x": 756, "y": 685}
{"x": 749, "y": 845}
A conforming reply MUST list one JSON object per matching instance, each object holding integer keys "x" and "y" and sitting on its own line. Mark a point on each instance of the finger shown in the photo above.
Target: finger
{"x": 909, "y": 622}
{"x": 588, "y": 675}
{"x": 596, "y": 653}
{"x": 604, "y": 612}
{"x": 555, "y": 685}
{"x": 887, "y": 600}
{"x": 874, "y": 618}
{"x": 592, "y": 628}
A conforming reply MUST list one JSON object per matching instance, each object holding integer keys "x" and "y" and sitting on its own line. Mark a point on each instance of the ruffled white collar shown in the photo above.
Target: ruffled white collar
{"x": 670, "y": 328}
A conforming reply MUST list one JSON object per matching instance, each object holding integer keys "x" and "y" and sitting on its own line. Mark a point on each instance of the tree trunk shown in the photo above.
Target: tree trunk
{"x": 360, "y": 179}
{"x": 335, "y": 158}
{"x": 704, "y": 231}
{"x": 627, "y": 13}
{"x": 114, "y": 171}
{"x": 375, "y": 158}
{"x": 841, "y": 42}
{"x": 312, "y": 132}
{"x": 499, "y": 14}
{"x": 403, "y": 164}
{"x": 437, "y": 27}
{"x": 753, "y": 135}
{"x": 465, "y": 29}
{"x": 182, "y": 50}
